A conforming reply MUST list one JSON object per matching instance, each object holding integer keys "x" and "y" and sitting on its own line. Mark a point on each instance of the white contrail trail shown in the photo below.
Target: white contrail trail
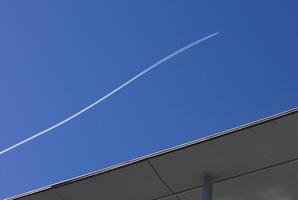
{"x": 111, "y": 93}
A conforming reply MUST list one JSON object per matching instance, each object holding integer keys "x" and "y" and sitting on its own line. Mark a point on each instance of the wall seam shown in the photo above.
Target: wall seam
{"x": 163, "y": 181}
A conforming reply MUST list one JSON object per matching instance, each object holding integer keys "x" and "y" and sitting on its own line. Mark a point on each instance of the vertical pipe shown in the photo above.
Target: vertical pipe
{"x": 207, "y": 188}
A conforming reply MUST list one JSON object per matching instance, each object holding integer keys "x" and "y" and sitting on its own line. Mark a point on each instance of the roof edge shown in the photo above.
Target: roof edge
{"x": 158, "y": 153}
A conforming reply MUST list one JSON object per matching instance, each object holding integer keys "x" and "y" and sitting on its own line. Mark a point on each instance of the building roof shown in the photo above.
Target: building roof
{"x": 258, "y": 161}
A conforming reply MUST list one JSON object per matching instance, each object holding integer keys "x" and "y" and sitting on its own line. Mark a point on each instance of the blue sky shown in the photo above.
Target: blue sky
{"x": 58, "y": 56}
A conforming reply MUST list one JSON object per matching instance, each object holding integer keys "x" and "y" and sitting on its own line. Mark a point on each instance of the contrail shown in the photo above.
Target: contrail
{"x": 110, "y": 93}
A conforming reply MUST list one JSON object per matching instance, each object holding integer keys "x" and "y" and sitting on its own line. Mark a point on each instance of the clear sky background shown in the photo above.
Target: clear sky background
{"x": 58, "y": 56}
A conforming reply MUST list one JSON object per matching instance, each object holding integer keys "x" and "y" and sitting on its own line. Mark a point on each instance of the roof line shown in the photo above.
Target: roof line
{"x": 159, "y": 153}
